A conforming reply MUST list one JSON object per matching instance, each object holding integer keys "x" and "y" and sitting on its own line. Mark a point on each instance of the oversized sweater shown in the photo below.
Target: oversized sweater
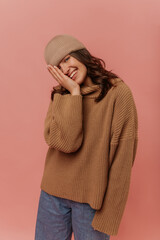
{"x": 92, "y": 148}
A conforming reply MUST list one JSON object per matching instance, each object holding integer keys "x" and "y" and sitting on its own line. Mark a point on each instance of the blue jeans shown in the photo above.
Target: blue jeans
{"x": 57, "y": 218}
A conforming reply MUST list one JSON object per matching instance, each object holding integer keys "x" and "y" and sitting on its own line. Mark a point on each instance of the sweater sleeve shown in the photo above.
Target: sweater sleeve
{"x": 63, "y": 123}
{"x": 123, "y": 147}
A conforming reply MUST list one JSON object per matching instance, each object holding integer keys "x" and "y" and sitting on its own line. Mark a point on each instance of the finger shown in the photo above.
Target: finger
{"x": 53, "y": 74}
{"x": 58, "y": 72}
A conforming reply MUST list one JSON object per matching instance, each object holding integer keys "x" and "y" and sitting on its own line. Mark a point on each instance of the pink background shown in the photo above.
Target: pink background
{"x": 126, "y": 34}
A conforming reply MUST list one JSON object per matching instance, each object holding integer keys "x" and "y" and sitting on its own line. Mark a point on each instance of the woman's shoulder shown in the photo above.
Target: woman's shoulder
{"x": 120, "y": 87}
{"x": 122, "y": 93}
{"x": 116, "y": 81}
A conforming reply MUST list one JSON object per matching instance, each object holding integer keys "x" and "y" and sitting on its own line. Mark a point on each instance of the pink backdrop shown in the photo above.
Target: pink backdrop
{"x": 123, "y": 33}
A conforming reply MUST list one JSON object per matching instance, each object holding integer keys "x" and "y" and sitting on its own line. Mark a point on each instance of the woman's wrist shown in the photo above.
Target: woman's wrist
{"x": 76, "y": 92}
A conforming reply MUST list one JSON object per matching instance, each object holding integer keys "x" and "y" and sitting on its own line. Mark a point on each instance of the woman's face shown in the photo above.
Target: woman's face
{"x": 69, "y": 65}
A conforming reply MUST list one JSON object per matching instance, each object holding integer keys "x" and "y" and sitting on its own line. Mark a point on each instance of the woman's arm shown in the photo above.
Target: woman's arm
{"x": 123, "y": 147}
{"x": 63, "y": 123}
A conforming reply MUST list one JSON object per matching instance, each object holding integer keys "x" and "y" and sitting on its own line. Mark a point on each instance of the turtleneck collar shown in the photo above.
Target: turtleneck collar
{"x": 86, "y": 87}
{"x": 89, "y": 87}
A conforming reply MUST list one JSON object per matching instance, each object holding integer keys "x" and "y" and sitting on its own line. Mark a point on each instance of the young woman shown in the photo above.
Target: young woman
{"x": 91, "y": 128}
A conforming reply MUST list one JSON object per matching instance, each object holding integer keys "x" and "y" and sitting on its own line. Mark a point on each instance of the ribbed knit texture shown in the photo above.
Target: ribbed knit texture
{"x": 92, "y": 148}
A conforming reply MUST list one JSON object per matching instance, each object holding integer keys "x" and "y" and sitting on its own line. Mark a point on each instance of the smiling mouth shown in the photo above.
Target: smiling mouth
{"x": 74, "y": 74}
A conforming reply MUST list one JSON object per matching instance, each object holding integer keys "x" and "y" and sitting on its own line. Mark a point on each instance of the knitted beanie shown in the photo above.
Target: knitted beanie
{"x": 60, "y": 46}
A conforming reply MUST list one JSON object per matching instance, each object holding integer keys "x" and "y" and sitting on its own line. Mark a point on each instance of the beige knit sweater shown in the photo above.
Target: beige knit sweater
{"x": 92, "y": 148}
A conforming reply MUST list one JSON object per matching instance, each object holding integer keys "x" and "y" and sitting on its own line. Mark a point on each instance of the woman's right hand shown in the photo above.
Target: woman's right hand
{"x": 64, "y": 80}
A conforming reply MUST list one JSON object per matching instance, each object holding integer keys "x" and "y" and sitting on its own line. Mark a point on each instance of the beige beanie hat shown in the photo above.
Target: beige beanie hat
{"x": 60, "y": 46}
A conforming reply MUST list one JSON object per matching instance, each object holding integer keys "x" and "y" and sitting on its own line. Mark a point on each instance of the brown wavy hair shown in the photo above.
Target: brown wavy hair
{"x": 95, "y": 70}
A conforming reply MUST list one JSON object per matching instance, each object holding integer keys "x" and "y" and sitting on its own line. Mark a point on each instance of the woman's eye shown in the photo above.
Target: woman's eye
{"x": 67, "y": 58}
